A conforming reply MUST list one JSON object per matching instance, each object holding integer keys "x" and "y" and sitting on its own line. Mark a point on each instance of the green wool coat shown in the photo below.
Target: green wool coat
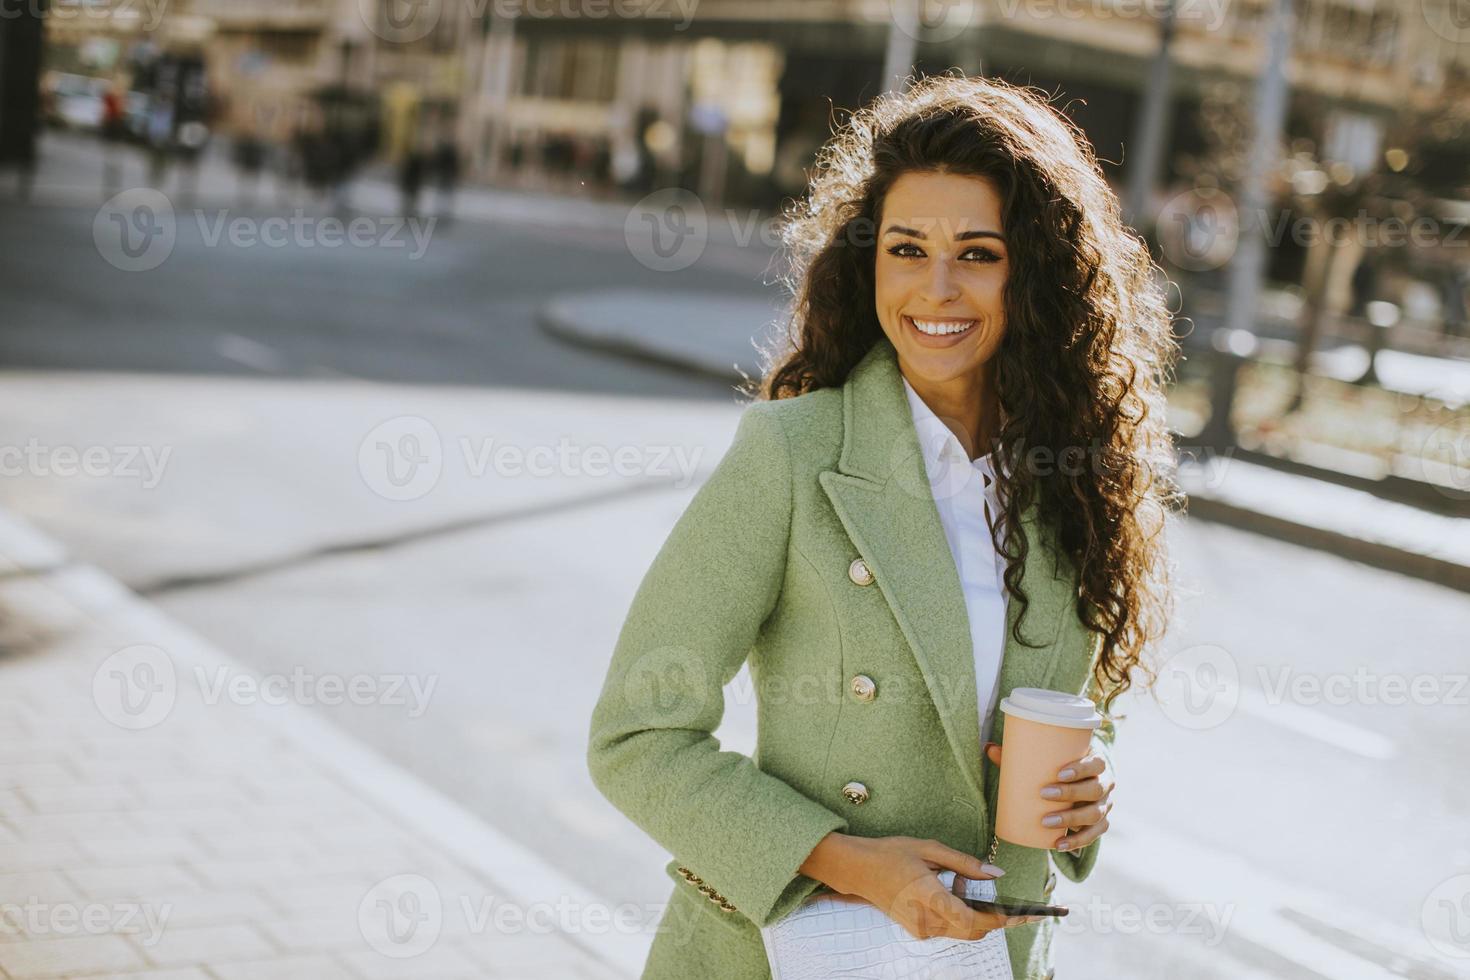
{"x": 757, "y": 569}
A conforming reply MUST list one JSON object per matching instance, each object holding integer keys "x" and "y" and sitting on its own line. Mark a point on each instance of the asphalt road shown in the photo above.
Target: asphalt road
{"x": 1278, "y": 814}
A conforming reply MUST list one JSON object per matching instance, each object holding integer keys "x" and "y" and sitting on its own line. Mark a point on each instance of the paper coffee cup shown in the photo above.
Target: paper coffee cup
{"x": 1044, "y": 730}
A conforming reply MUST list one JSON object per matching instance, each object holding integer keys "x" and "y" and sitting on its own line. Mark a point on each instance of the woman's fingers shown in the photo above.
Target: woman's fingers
{"x": 1090, "y": 765}
{"x": 958, "y": 861}
{"x": 1084, "y": 836}
{"x": 1086, "y": 790}
{"x": 1083, "y": 815}
{"x": 957, "y": 920}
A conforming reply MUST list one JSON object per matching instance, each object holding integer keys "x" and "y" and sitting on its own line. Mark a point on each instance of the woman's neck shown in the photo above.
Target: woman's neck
{"x": 965, "y": 404}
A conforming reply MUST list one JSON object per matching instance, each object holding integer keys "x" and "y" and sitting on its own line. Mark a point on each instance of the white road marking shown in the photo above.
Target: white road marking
{"x": 251, "y": 353}
{"x": 1254, "y": 900}
{"x": 1315, "y": 724}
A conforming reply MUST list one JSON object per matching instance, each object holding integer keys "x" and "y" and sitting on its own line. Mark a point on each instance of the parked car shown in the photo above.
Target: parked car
{"x": 75, "y": 101}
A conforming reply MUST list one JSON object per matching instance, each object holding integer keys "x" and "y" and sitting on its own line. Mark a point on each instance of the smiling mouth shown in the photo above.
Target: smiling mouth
{"x": 940, "y": 327}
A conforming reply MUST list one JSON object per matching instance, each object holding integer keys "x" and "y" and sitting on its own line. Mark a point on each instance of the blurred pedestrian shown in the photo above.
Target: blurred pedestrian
{"x": 446, "y": 175}
{"x": 1364, "y": 285}
{"x": 249, "y": 157}
{"x": 410, "y": 179}
{"x": 160, "y": 139}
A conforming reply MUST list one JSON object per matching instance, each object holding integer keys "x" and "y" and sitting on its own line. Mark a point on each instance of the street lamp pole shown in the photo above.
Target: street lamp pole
{"x": 1248, "y": 269}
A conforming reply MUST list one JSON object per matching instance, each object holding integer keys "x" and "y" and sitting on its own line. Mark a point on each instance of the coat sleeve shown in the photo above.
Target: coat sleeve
{"x": 1077, "y": 865}
{"x": 693, "y": 621}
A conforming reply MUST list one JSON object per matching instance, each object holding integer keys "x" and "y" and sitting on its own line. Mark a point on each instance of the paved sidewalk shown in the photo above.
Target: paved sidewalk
{"x": 712, "y": 335}
{"x": 152, "y": 828}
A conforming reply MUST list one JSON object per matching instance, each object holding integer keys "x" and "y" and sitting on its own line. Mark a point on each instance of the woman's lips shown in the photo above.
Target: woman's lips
{"x": 939, "y": 340}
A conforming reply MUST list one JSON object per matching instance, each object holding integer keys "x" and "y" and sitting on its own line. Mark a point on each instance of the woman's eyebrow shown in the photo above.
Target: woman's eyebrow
{"x": 963, "y": 236}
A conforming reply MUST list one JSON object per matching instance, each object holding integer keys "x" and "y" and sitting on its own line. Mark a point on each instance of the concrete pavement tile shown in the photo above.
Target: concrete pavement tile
{"x": 79, "y": 798}
{"x": 111, "y": 847}
{"x": 75, "y": 827}
{"x": 42, "y": 886}
{"x": 206, "y": 906}
{"x": 284, "y": 968}
{"x": 334, "y": 929}
{"x": 68, "y": 957}
{"x": 184, "y": 973}
{"x": 130, "y": 880}
{"x": 34, "y": 856}
{"x": 201, "y": 945}
{"x": 439, "y": 960}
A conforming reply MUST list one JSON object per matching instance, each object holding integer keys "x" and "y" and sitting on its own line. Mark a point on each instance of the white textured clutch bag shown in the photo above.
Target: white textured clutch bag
{"x": 830, "y": 936}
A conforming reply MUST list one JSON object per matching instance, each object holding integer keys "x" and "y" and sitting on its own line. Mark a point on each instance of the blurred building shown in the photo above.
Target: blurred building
{"x": 740, "y": 75}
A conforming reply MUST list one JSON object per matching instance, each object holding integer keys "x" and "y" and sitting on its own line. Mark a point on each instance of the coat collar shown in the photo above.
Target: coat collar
{"x": 880, "y": 491}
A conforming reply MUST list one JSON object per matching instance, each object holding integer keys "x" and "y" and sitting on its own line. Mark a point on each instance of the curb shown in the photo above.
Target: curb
{"x": 1447, "y": 573}
{"x": 653, "y": 329}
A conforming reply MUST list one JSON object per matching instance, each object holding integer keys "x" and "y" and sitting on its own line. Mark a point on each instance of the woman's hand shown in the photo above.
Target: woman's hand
{"x": 900, "y": 875}
{"x": 1086, "y": 782}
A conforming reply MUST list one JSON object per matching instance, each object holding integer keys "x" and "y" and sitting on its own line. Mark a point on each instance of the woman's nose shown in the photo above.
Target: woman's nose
{"x": 941, "y": 286}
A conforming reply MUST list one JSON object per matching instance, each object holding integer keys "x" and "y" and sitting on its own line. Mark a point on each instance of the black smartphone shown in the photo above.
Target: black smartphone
{"x": 1011, "y": 906}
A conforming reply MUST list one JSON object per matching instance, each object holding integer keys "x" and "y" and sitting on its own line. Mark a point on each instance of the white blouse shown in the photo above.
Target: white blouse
{"x": 965, "y": 493}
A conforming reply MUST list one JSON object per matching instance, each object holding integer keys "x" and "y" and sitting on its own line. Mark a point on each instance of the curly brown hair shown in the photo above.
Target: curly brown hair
{"x": 1088, "y": 348}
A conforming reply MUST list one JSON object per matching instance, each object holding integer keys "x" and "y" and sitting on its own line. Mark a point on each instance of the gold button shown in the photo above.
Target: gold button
{"x": 859, "y": 572}
{"x": 856, "y": 793}
{"x": 863, "y": 688}
{"x": 1051, "y": 883}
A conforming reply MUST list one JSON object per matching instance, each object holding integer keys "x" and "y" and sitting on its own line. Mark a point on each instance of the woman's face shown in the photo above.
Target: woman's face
{"x": 940, "y": 274}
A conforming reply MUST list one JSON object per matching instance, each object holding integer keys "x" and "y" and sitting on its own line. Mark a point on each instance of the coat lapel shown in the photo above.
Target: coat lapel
{"x": 880, "y": 491}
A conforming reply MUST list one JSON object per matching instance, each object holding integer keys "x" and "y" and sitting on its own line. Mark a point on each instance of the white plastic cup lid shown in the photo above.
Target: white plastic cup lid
{"x": 1051, "y": 707}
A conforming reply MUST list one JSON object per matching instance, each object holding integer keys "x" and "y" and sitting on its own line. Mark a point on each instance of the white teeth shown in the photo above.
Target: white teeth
{"x": 934, "y": 329}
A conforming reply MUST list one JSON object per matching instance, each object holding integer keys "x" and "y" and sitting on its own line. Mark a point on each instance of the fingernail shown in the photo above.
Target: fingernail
{"x": 1051, "y": 792}
{"x": 1067, "y": 773}
{"x": 991, "y": 869}
{"x": 1065, "y": 845}
{"x": 1051, "y": 820}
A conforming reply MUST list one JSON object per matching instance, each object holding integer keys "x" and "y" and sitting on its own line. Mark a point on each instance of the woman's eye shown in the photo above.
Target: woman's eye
{"x": 908, "y": 250}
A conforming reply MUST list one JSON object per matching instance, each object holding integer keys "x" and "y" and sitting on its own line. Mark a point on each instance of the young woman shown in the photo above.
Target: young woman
{"x": 953, "y": 484}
